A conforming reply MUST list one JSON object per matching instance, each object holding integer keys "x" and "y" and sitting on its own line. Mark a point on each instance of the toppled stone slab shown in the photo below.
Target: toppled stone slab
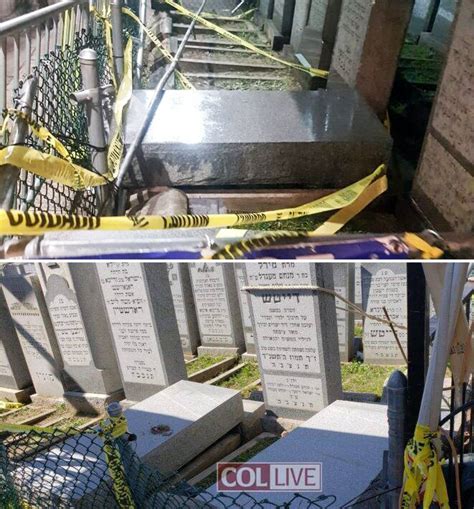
{"x": 347, "y": 438}
{"x": 192, "y": 416}
{"x": 324, "y": 138}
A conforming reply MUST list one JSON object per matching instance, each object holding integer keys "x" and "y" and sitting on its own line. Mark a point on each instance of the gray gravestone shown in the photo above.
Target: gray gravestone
{"x": 266, "y": 8}
{"x": 421, "y": 17}
{"x": 444, "y": 182}
{"x": 300, "y": 20}
{"x": 295, "y": 336}
{"x": 217, "y": 308}
{"x": 384, "y": 284}
{"x": 144, "y": 327}
{"x": 15, "y": 379}
{"x": 440, "y": 34}
{"x": 30, "y": 316}
{"x": 244, "y": 300}
{"x": 369, "y": 40}
{"x": 283, "y": 12}
{"x": 77, "y": 311}
{"x": 181, "y": 290}
{"x": 344, "y": 286}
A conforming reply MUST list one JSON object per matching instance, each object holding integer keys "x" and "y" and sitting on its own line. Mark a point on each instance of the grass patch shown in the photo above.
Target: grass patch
{"x": 245, "y": 456}
{"x": 245, "y": 376}
{"x": 360, "y": 377}
{"x": 358, "y": 331}
{"x": 203, "y": 362}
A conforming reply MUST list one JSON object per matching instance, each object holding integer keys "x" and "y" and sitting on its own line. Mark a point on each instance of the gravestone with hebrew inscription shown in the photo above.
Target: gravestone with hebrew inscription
{"x": 244, "y": 300}
{"x": 295, "y": 336}
{"x": 15, "y": 379}
{"x": 444, "y": 183}
{"x": 344, "y": 286}
{"x": 180, "y": 284}
{"x": 369, "y": 39}
{"x": 217, "y": 308}
{"x": 384, "y": 285}
{"x": 77, "y": 311}
{"x": 141, "y": 313}
{"x": 35, "y": 332}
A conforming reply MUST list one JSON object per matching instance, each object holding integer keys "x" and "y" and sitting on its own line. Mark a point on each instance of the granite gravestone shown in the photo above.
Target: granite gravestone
{"x": 421, "y": 17}
{"x": 244, "y": 300}
{"x": 384, "y": 285}
{"x": 143, "y": 321}
{"x": 217, "y": 307}
{"x": 283, "y": 11}
{"x": 440, "y": 34}
{"x": 77, "y": 311}
{"x": 444, "y": 183}
{"x": 369, "y": 40}
{"x": 295, "y": 336}
{"x": 344, "y": 286}
{"x": 180, "y": 284}
{"x": 15, "y": 379}
{"x": 35, "y": 332}
{"x": 314, "y": 31}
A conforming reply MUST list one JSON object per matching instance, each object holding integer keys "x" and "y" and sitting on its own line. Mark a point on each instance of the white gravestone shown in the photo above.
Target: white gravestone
{"x": 217, "y": 308}
{"x": 344, "y": 286}
{"x": 144, "y": 327}
{"x": 295, "y": 336}
{"x": 77, "y": 311}
{"x": 385, "y": 286}
{"x": 30, "y": 316}
{"x": 180, "y": 284}
{"x": 15, "y": 379}
{"x": 244, "y": 300}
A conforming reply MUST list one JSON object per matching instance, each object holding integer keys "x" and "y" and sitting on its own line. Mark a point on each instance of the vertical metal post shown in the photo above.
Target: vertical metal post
{"x": 141, "y": 37}
{"x": 3, "y": 73}
{"x": 117, "y": 38}
{"x": 417, "y": 334}
{"x": 397, "y": 406}
{"x": 92, "y": 99}
{"x": 9, "y": 174}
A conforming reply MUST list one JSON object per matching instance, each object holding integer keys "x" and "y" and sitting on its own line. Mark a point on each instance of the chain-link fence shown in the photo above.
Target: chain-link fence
{"x": 74, "y": 469}
{"x": 58, "y": 76}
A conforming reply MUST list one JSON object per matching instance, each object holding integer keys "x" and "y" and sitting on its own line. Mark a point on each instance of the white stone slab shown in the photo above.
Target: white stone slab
{"x": 197, "y": 414}
{"x": 347, "y": 438}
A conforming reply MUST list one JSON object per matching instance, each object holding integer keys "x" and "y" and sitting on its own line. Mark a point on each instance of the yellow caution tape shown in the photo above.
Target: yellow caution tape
{"x": 8, "y": 405}
{"x": 235, "y": 38}
{"x": 424, "y": 482}
{"x": 116, "y": 147}
{"x": 154, "y": 39}
{"x": 104, "y": 16}
{"x": 342, "y": 217}
{"x": 14, "y": 222}
{"x": 50, "y": 167}
{"x": 428, "y": 252}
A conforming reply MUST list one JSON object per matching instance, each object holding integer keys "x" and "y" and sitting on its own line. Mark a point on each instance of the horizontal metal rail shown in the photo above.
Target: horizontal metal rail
{"x": 25, "y": 39}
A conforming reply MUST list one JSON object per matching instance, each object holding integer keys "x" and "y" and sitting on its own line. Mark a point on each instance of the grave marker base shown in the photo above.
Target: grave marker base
{"x": 17, "y": 395}
{"x": 216, "y": 351}
{"x": 87, "y": 402}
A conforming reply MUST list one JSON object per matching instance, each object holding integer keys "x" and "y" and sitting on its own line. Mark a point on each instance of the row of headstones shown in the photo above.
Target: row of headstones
{"x": 85, "y": 331}
{"x": 360, "y": 41}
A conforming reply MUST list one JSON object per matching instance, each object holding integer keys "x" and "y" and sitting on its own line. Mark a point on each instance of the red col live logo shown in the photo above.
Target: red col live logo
{"x": 294, "y": 477}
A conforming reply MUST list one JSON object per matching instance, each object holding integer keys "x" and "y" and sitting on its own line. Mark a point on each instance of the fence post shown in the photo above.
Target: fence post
{"x": 117, "y": 38}
{"x": 396, "y": 410}
{"x": 142, "y": 16}
{"x": 91, "y": 97}
{"x": 9, "y": 174}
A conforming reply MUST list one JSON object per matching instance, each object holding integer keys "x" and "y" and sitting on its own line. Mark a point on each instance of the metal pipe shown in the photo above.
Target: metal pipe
{"x": 9, "y": 174}
{"x": 91, "y": 97}
{"x": 141, "y": 38}
{"x": 155, "y": 101}
{"x": 117, "y": 38}
{"x": 3, "y": 73}
{"x": 36, "y": 17}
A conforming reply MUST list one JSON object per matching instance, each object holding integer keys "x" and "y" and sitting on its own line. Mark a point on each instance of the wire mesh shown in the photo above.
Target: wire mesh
{"x": 68, "y": 469}
{"x": 59, "y": 76}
